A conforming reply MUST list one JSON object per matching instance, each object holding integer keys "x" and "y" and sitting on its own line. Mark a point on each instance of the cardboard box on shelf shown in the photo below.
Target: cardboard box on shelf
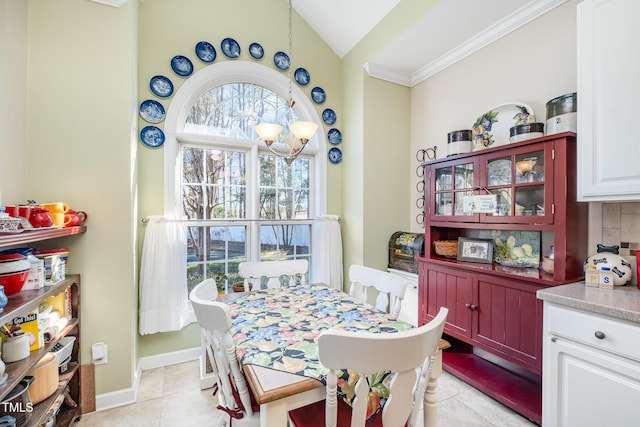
{"x": 35, "y": 279}
{"x": 54, "y": 265}
{"x": 29, "y": 324}
{"x": 61, "y": 303}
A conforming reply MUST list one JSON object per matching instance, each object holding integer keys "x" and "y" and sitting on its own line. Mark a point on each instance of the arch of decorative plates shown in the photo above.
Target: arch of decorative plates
{"x": 153, "y": 112}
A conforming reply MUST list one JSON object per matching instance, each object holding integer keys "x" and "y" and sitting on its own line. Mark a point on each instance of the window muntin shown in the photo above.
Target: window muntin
{"x": 233, "y": 109}
{"x": 234, "y": 218}
{"x": 284, "y": 189}
{"x": 213, "y": 183}
{"x": 285, "y": 241}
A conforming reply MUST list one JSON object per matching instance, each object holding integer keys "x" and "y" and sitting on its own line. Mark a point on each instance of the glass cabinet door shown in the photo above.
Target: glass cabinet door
{"x": 450, "y": 184}
{"x": 518, "y": 181}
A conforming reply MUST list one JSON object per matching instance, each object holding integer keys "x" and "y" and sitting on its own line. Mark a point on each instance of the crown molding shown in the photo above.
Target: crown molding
{"x": 389, "y": 74}
{"x": 500, "y": 29}
{"x": 114, "y": 3}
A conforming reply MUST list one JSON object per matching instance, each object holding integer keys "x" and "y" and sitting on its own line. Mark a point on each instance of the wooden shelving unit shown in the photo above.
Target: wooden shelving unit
{"x": 25, "y": 301}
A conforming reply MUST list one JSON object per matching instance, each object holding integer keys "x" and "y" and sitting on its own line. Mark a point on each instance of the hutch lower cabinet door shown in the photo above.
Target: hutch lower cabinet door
{"x": 509, "y": 320}
{"x": 446, "y": 287}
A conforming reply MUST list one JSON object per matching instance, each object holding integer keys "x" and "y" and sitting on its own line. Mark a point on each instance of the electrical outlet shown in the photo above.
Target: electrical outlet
{"x": 99, "y": 353}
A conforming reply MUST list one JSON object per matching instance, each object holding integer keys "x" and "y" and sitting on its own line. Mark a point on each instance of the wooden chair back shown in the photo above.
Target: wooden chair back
{"x": 390, "y": 288}
{"x": 215, "y": 321}
{"x": 275, "y": 272}
{"x": 408, "y": 355}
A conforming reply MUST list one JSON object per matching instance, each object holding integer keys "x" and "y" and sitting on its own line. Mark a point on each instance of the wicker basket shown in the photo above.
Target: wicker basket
{"x": 448, "y": 248}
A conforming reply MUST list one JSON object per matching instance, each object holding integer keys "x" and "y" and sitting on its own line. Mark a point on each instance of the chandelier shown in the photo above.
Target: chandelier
{"x": 300, "y": 132}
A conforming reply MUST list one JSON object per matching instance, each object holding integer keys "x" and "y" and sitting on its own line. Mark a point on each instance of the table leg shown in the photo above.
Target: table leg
{"x": 276, "y": 412}
{"x": 430, "y": 398}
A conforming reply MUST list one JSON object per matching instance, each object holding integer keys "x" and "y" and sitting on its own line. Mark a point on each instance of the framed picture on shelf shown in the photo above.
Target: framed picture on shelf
{"x": 475, "y": 250}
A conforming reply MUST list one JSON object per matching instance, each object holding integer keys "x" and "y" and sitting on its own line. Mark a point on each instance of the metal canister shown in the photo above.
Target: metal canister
{"x": 458, "y": 142}
{"x": 562, "y": 114}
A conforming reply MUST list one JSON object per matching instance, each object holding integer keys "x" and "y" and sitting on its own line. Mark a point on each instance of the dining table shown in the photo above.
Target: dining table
{"x": 275, "y": 333}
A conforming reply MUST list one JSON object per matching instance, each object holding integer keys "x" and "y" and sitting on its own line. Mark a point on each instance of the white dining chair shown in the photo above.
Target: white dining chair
{"x": 275, "y": 272}
{"x": 234, "y": 400}
{"x": 390, "y": 288}
{"x": 407, "y": 354}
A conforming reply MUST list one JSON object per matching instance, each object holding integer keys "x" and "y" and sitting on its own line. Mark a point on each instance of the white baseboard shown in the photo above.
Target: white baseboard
{"x": 167, "y": 359}
{"x": 127, "y": 396}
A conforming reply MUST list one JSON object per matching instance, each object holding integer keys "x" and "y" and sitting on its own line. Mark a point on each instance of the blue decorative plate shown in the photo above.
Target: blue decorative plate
{"x": 282, "y": 61}
{"x": 152, "y": 111}
{"x": 152, "y": 136}
{"x": 256, "y": 50}
{"x": 206, "y": 52}
{"x": 335, "y": 155}
{"x": 181, "y": 65}
{"x": 318, "y": 95}
{"x": 230, "y": 48}
{"x": 302, "y": 76}
{"x": 161, "y": 86}
{"x": 329, "y": 116}
{"x": 335, "y": 136}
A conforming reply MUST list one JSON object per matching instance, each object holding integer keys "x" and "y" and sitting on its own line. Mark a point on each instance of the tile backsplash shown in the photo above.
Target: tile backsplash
{"x": 621, "y": 226}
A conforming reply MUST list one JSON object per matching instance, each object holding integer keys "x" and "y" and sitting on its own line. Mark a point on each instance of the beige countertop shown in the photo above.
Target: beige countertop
{"x": 622, "y": 302}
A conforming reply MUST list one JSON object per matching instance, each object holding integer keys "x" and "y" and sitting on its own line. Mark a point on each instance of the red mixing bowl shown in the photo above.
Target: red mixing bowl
{"x": 13, "y": 282}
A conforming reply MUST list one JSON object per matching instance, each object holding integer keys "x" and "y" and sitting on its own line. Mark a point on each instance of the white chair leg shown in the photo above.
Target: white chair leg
{"x": 430, "y": 397}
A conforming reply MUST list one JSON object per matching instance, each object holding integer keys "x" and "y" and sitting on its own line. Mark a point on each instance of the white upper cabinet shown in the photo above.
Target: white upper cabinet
{"x": 608, "y": 100}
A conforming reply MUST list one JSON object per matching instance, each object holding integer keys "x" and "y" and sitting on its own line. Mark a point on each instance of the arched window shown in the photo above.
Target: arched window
{"x": 241, "y": 201}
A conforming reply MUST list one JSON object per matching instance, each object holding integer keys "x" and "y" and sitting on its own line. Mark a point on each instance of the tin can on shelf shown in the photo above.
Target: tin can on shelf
{"x": 562, "y": 114}
{"x": 458, "y": 142}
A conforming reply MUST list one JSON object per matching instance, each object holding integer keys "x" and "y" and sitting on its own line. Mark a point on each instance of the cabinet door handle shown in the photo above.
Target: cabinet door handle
{"x": 599, "y": 335}
{"x": 471, "y": 306}
{"x": 554, "y": 339}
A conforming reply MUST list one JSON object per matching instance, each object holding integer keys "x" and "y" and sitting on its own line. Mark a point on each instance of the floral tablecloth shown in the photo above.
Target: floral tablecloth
{"x": 279, "y": 328}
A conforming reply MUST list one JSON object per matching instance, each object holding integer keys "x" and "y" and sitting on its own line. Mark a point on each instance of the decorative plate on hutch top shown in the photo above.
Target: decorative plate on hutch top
{"x": 492, "y": 128}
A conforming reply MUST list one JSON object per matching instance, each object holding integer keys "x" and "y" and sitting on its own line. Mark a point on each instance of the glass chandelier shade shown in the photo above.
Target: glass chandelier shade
{"x": 300, "y": 132}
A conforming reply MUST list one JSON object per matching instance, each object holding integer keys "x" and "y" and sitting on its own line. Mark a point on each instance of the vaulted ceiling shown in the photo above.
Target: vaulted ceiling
{"x": 450, "y": 31}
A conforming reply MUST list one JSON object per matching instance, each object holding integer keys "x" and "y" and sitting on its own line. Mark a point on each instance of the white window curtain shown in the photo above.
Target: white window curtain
{"x": 163, "y": 277}
{"x": 327, "y": 251}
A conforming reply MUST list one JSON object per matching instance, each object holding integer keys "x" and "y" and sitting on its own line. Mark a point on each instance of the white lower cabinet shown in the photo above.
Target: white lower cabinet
{"x": 591, "y": 371}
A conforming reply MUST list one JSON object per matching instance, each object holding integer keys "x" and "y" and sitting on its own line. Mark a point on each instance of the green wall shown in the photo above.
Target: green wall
{"x": 377, "y": 172}
{"x": 168, "y": 28}
{"x": 89, "y": 68}
{"x": 81, "y": 119}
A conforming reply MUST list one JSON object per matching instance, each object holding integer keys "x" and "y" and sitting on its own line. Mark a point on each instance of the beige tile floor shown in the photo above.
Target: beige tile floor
{"x": 171, "y": 396}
